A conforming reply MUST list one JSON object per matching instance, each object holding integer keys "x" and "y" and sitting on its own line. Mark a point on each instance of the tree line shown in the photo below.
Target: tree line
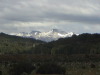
{"x": 83, "y": 44}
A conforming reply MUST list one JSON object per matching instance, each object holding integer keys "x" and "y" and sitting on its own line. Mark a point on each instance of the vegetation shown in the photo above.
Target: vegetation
{"x": 76, "y": 55}
{"x": 19, "y": 68}
{"x": 82, "y": 44}
{"x": 15, "y": 45}
{"x": 51, "y": 68}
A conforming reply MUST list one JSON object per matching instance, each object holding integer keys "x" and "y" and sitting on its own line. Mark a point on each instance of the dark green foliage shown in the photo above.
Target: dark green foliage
{"x": 0, "y": 72}
{"x": 15, "y": 45}
{"x": 82, "y": 44}
{"x": 83, "y": 67}
{"x": 84, "y": 48}
{"x": 92, "y": 66}
{"x": 51, "y": 68}
{"x": 19, "y": 68}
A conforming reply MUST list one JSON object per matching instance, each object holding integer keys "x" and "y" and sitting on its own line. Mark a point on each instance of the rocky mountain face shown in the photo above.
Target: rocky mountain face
{"x": 52, "y": 35}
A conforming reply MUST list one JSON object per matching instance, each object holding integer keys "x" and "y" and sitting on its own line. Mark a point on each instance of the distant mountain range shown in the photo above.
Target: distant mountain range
{"x": 52, "y": 35}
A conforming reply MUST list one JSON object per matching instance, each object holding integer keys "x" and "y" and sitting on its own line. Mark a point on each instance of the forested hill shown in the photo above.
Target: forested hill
{"x": 83, "y": 44}
{"x": 16, "y": 45}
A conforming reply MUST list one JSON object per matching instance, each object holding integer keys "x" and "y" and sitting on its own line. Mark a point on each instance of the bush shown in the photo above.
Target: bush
{"x": 22, "y": 67}
{"x": 92, "y": 65}
{"x": 51, "y": 68}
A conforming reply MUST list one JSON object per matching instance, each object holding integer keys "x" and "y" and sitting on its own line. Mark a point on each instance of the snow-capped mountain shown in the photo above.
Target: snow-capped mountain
{"x": 52, "y": 35}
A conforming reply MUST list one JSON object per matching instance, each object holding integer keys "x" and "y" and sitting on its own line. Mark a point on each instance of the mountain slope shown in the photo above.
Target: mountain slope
{"x": 82, "y": 44}
{"x": 14, "y": 44}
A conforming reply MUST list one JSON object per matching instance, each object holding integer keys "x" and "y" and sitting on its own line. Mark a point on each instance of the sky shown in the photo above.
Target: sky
{"x": 78, "y": 16}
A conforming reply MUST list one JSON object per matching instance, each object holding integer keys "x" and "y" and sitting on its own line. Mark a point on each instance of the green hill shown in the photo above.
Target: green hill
{"x": 82, "y": 44}
{"x": 16, "y": 45}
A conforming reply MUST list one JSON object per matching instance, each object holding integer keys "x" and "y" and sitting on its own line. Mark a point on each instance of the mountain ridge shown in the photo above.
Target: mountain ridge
{"x": 48, "y": 36}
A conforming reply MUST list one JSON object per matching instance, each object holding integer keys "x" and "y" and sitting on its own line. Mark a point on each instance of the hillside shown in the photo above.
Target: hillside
{"x": 82, "y": 44}
{"x": 16, "y": 45}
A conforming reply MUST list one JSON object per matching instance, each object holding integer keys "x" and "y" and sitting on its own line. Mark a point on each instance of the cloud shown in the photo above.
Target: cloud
{"x": 46, "y": 14}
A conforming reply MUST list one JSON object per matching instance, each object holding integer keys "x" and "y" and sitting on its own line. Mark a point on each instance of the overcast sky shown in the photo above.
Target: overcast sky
{"x": 79, "y": 16}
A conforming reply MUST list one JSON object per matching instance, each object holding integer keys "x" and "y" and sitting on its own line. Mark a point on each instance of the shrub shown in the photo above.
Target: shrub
{"x": 50, "y": 68}
{"x": 19, "y": 68}
{"x": 92, "y": 65}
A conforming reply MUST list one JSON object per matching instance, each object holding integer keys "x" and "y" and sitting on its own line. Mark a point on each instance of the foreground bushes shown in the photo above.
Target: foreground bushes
{"x": 22, "y": 67}
{"x": 51, "y": 68}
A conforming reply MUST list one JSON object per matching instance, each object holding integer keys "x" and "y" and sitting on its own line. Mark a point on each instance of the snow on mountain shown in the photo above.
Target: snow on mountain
{"x": 22, "y": 34}
{"x": 52, "y": 35}
{"x": 35, "y": 32}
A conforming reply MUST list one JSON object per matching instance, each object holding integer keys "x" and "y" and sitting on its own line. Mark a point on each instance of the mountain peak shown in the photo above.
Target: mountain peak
{"x": 55, "y": 30}
{"x": 58, "y": 31}
{"x": 52, "y": 35}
